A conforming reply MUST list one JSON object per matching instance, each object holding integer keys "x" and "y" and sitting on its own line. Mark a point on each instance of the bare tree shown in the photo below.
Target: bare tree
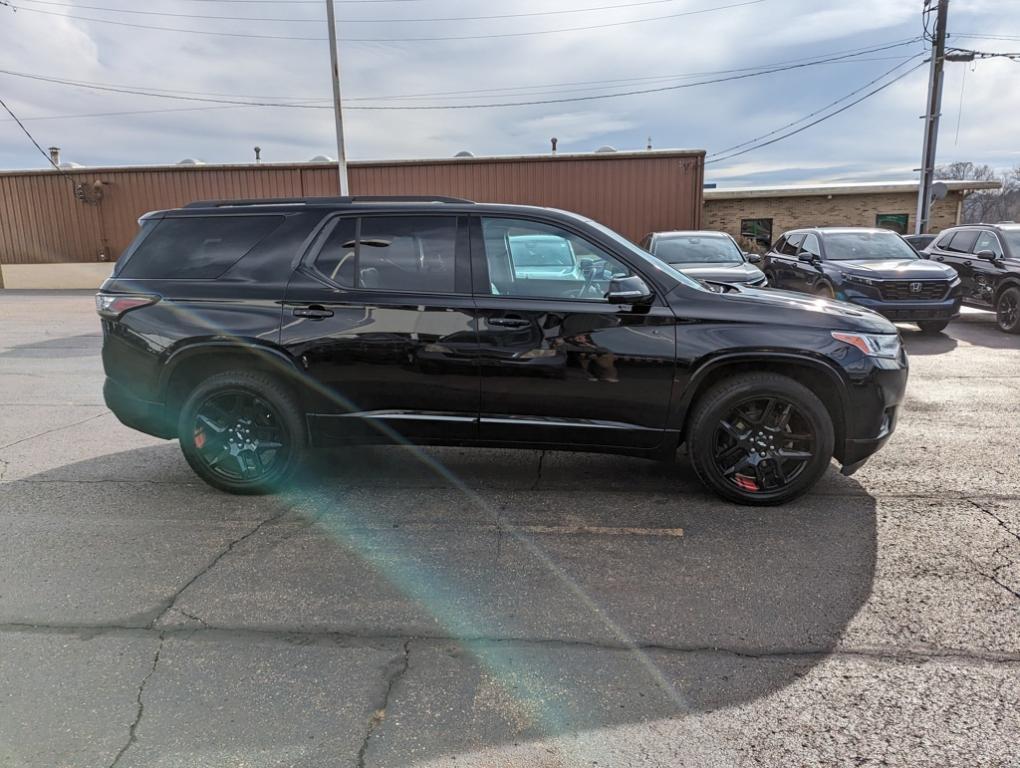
{"x": 987, "y": 205}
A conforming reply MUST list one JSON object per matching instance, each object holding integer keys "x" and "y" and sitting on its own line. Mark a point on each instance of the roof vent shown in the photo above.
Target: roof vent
{"x": 465, "y": 153}
{"x": 68, "y": 165}
{"x": 322, "y": 159}
{"x": 191, "y": 161}
{"x": 605, "y": 148}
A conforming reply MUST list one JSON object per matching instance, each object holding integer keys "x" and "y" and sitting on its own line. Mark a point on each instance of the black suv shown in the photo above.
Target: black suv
{"x": 874, "y": 268}
{"x": 255, "y": 330}
{"x": 987, "y": 257}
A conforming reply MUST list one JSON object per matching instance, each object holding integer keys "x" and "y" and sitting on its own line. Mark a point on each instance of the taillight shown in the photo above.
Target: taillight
{"x": 113, "y": 305}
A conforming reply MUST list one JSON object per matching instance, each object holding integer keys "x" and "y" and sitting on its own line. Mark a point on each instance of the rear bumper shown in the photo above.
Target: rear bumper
{"x": 138, "y": 414}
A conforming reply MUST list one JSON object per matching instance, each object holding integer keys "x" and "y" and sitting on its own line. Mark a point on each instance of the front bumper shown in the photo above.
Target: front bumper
{"x": 138, "y": 414}
{"x": 873, "y": 412}
{"x": 909, "y": 311}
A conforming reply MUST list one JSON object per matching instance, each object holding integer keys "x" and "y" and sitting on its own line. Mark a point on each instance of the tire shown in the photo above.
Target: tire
{"x": 1007, "y": 310}
{"x": 217, "y": 439}
{"x": 707, "y": 438}
{"x": 931, "y": 327}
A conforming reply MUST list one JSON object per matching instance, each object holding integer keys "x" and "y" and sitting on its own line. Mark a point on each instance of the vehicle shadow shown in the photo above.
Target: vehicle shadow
{"x": 973, "y": 328}
{"x": 542, "y": 594}
{"x": 83, "y": 345}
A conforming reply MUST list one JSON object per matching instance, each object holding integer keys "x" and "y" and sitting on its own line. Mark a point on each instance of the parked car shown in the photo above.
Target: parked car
{"x": 706, "y": 255}
{"x": 255, "y": 331}
{"x": 872, "y": 268}
{"x": 919, "y": 242}
{"x": 987, "y": 258}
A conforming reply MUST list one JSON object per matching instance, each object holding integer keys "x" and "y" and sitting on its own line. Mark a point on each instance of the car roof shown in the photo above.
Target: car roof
{"x": 691, "y": 233}
{"x": 840, "y": 231}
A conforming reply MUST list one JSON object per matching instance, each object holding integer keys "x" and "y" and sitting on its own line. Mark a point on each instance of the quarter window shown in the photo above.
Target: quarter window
{"x": 197, "y": 247}
{"x": 535, "y": 260}
{"x": 392, "y": 253}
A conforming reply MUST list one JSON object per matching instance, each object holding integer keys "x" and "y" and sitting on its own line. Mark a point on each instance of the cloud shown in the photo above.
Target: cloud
{"x": 879, "y": 138}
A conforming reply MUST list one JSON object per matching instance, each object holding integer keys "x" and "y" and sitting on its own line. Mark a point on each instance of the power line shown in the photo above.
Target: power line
{"x": 78, "y": 189}
{"x": 818, "y": 111}
{"x": 416, "y": 107}
{"x": 822, "y": 119}
{"x": 133, "y": 11}
{"x": 436, "y": 38}
{"x": 854, "y": 55}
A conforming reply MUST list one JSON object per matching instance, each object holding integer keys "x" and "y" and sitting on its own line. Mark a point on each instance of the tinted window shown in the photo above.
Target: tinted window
{"x": 392, "y": 253}
{"x": 866, "y": 246}
{"x": 811, "y": 247}
{"x": 693, "y": 249}
{"x": 1012, "y": 238}
{"x": 988, "y": 242}
{"x": 197, "y": 248}
{"x": 963, "y": 241}
{"x": 943, "y": 242}
{"x": 780, "y": 244}
{"x": 792, "y": 245}
{"x": 571, "y": 268}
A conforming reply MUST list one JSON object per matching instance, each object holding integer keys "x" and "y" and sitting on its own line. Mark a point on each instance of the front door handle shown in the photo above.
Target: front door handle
{"x": 314, "y": 312}
{"x": 509, "y": 322}
{"x": 968, "y": 263}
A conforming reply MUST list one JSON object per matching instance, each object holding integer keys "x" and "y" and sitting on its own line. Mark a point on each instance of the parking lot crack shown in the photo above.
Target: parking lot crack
{"x": 139, "y": 705}
{"x": 55, "y": 429}
{"x": 538, "y": 474}
{"x": 394, "y": 671}
{"x": 171, "y": 603}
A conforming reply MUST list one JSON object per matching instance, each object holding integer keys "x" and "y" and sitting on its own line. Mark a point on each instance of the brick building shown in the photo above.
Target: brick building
{"x": 757, "y": 216}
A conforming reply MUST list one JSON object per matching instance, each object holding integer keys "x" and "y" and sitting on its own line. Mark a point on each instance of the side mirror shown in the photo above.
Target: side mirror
{"x": 629, "y": 290}
{"x": 753, "y": 258}
{"x": 986, "y": 255}
{"x": 810, "y": 258}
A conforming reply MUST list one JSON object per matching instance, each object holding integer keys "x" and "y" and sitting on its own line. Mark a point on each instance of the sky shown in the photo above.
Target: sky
{"x": 626, "y": 46}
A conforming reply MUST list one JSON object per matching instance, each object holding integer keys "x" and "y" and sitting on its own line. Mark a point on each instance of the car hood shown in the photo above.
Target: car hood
{"x": 724, "y": 273}
{"x": 770, "y": 306}
{"x": 892, "y": 269}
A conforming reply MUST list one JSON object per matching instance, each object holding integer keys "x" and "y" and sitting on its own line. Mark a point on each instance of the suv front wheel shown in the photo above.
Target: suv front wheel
{"x": 242, "y": 432}
{"x": 760, "y": 439}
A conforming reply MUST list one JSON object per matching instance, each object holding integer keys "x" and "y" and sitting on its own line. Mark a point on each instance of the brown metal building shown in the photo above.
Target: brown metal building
{"x": 49, "y": 237}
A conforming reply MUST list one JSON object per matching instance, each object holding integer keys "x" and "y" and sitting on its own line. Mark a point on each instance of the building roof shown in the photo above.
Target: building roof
{"x": 841, "y": 188}
{"x": 201, "y": 167}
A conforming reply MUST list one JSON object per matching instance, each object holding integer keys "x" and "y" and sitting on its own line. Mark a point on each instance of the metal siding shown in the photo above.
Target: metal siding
{"x": 41, "y": 221}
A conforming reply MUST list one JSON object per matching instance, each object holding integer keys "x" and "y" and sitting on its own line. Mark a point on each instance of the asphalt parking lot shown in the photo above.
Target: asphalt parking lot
{"x": 497, "y": 608}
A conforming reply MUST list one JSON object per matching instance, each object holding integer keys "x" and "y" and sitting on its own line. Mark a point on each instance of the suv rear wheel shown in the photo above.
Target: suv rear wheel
{"x": 1007, "y": 310}
{"x": 760, "y": 439}
{"x": 242, "y": 432}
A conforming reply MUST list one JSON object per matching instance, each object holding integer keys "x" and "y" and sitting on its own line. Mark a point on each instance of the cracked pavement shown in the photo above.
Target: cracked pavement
{"x": 523, "y": 608}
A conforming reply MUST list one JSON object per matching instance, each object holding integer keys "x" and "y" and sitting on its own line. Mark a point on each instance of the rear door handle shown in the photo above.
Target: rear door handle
{"x": 509, "y": 322}
{"x": 313, "y": 312}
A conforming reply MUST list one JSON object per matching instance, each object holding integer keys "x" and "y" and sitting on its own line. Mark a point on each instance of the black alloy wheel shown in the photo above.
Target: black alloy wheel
{"x": 239, "y": 436}
{"x": 1007, "y": 310}
{"x": 760, "y": 438}
{"x": 763, "y": 444}
{"x": 242, "y": 432}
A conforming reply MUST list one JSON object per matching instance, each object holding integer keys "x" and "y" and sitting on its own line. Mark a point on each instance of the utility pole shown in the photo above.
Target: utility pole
{"x": 334, "y": 59}
{"x": 932, "y": 114}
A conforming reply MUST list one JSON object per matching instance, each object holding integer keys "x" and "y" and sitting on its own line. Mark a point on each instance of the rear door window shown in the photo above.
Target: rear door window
{"x": 196, "y": 247}
{"x": 963, "y": 241}
{"x": 392, "y": 253}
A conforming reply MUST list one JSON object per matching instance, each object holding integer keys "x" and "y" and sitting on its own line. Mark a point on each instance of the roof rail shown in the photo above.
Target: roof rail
{"x": 328, "y": 201}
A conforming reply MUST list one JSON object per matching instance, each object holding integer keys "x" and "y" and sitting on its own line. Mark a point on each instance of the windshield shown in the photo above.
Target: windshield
{"x": 695, "y": 249}
{"x": 1012, "y": 238}
{"x": 866, "y": 246}
{"x": 623, "y": 242}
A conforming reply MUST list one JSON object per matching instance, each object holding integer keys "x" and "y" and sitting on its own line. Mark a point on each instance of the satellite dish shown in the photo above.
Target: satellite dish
{"x": 939, "y": 190}
{"x": 606, "y": 148}
{"x": 464, "y": 153}
{"x": 322, "y": 159}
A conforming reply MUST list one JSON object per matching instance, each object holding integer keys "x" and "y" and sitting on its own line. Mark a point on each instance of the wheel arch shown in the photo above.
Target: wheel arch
{"x": 1013, "y": 281}
{"x": 818, "y": 376}
{"x": 188, "y": 366}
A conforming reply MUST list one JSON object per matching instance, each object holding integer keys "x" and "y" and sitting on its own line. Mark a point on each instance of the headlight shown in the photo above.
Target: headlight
{"x": 857, "y": 279}
{"x": 761, "y": 282}
{"x": 872, "y": 344}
